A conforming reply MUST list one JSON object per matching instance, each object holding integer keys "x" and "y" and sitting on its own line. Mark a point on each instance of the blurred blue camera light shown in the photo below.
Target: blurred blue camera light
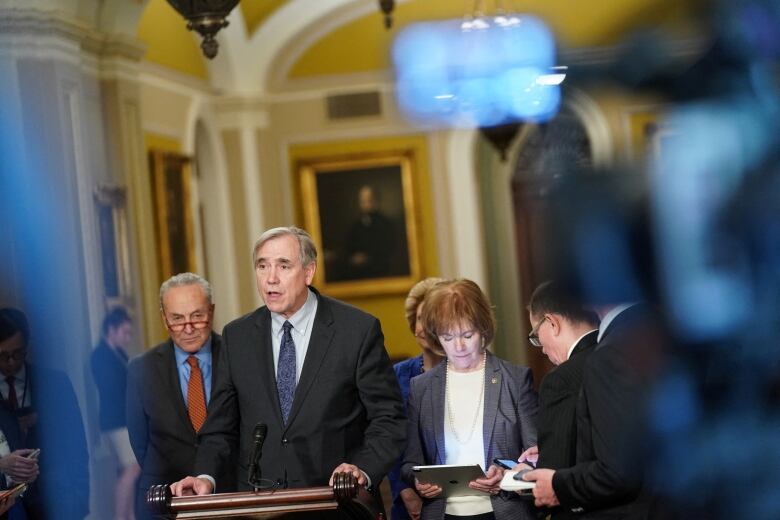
{"x": 482, "y": 72}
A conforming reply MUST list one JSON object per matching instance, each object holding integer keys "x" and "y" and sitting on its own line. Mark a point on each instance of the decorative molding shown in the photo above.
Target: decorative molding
{"x": 241, "y": 112}
{"x": 168, "y": 79}
{"x": 330, "y": 22}
{"x": 596, "y": 126}
{"x": 51, "y": 23}
{"x": 32, "y": 31}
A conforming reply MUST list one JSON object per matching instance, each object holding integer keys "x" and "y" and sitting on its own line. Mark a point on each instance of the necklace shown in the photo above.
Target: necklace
{"x": 449, "y": 402}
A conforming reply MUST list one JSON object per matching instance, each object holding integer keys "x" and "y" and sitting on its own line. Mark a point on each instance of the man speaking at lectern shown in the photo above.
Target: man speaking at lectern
{"x": 313, "y": 370}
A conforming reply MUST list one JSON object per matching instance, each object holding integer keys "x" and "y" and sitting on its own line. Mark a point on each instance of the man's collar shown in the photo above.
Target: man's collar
{"x": 300, "y": 319}
{"x": 204, "y": 354}
{"x": 610, "y": 316}
{"x": 21, "y": 375}
{"x": 577, "y": 342}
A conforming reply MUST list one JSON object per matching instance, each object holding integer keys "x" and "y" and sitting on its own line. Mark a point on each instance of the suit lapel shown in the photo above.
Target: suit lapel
{"x": 493, "y": 386}
{"x": 216, "y": 346}
{"x": 437, "y": 405}
{"x": 319, "y": 343}
{"x": 170, "y": 379}
{"x": 265, "y": 360}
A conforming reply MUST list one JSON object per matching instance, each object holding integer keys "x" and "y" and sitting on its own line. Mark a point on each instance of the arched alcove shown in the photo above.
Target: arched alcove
{"x": 572, "y": 143}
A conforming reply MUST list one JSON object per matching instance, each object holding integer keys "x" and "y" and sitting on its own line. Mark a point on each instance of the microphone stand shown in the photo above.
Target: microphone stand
{"x": 255, "y": 474}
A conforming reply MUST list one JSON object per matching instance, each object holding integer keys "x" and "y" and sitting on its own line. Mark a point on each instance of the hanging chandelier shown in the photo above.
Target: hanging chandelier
{"x": 386, "y": 6}
{"x": 206, "y": 17}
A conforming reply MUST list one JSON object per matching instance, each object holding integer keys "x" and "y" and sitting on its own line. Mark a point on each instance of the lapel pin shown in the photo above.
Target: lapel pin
{"x": 494, "y": 380}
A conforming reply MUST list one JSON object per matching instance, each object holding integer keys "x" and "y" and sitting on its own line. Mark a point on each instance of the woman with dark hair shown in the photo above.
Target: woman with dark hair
{"x": 469, "y": 410}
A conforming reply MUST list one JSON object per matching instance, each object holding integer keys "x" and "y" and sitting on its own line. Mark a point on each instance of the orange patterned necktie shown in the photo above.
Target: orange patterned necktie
{"x": 196, "y": 397}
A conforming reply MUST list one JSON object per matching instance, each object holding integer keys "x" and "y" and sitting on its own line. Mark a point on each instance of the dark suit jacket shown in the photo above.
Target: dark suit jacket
{"x": 347, "y": 406}
{"x": 109, "y": 370}
{"x": 161, "y": 434}
{"x": 604, "y": 483}
{"x": 62, "y": 488}
{"x": 558, "y": 396}
{"x": 509, "y": 427}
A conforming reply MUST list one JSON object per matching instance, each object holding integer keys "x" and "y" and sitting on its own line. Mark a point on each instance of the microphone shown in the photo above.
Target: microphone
{"x": 261, "y": 429}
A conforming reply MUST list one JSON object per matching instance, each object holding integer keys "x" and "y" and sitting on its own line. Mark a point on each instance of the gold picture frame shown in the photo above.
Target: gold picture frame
{"x": 361, "y": 211}
{"x": 111, "y": 208}
{"x": 171, "y": 191}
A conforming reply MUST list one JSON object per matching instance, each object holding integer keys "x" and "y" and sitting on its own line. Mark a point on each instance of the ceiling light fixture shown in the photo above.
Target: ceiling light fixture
{"x": 386, "y": 6}
{"x": 207, "y": 17}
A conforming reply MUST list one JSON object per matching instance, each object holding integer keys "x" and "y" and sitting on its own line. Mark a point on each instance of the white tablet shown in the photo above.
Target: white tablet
{"x": 452, "y": 479}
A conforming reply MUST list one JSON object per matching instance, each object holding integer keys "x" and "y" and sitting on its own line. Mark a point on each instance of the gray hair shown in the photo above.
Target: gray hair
{"x": 183, "y": 279}
{"x": 308, "y": 251}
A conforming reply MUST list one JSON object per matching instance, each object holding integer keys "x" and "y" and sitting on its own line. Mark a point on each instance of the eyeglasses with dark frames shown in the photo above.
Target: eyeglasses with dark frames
{"x": 13, "y": 355}
{"x": 533, "y": 336}
{"x": 199, "y": 324}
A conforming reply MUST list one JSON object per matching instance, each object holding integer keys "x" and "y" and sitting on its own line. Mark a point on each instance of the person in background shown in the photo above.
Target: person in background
{"x": 169, "y": 388}
{"x": 607, "y": 479}
{"x": 16, "y": 465}
{"x": 406, "y": 502}
{"x": 566, "y": 332}
{"x": 470, "y": 409}
{"x": 49, "y": 418}
{"x": 109, "y": 369}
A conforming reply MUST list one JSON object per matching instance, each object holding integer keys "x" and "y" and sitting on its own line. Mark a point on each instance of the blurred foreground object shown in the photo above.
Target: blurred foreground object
{"x": 483, "y": 71}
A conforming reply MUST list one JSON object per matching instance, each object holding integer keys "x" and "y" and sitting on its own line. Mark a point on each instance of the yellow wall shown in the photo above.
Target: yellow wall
{"x": 389, "y": 309}
{"x": 257, "y": 11}
{"x": 575, "y": 23}
{"x": 168, "y": 41}
{"x": 161, "y": 142}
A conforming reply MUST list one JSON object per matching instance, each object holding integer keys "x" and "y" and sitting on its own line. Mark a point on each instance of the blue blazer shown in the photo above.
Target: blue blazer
{"x": 509, "y": 428}
{"x": 404, "y": 371}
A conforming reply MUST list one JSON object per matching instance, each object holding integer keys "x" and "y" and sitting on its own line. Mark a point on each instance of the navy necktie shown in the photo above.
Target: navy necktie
{"x": 285, "y": 372}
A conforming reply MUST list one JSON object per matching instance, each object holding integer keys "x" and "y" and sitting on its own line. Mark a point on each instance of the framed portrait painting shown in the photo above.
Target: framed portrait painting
{"x": 111, "y": 209}
{"x": 171, "y": 179}
{"x": 361, "y": 212}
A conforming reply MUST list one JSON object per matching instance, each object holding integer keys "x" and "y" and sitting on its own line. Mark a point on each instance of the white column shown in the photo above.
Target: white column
{"x": 465, "y": 214}
{"x": 247, "y": 117}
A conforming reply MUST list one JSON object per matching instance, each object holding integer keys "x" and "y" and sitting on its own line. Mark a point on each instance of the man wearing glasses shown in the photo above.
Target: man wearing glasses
{"x": 169, "y": 387}
{"x": 49, "y": 418}
{"x": 566, "y": 332}
{"x": 314, "y": 371}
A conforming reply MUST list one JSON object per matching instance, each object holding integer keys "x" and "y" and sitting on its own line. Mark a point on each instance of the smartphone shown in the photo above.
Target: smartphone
{"x": 505, "y": 463}
{"x": 34, "y": 454}
{"x": 14, "y": 492}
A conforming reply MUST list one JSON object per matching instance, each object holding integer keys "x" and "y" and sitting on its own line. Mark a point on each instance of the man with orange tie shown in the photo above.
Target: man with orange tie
{"x": 169, "y": 387}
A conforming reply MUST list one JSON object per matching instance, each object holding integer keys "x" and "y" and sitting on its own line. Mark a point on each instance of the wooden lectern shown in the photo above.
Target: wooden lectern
{"x": 346, "y": 499}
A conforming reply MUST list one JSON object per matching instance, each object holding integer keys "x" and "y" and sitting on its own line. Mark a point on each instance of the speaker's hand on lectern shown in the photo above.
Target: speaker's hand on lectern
{"x": 192, "y": 486}
{"x": 361, "y": 477}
